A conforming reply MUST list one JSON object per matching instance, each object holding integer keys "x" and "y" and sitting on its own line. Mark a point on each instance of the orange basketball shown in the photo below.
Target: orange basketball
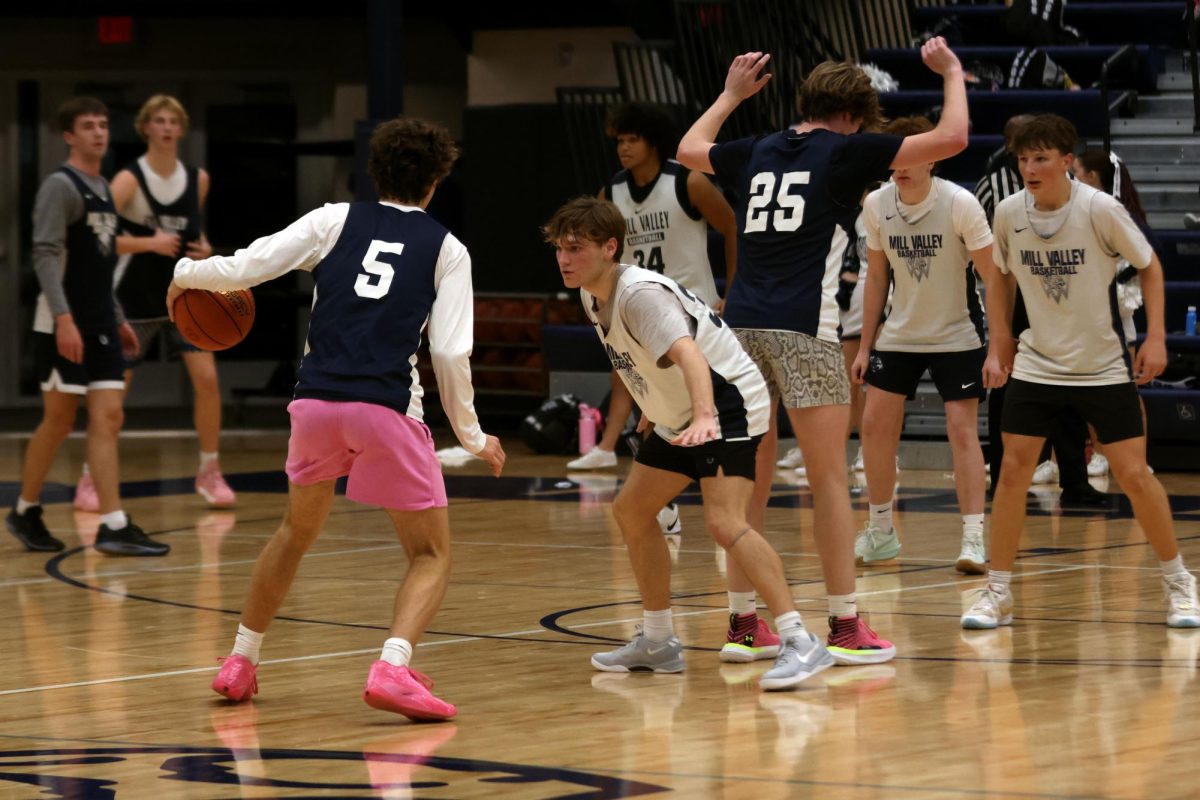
{"x": 214, "y": 320}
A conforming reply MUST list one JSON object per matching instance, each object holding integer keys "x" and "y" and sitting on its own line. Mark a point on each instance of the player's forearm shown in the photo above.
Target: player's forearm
{"x": 47, "y": 266}
{"x": 694, "y": 147}
{"x": 696, "y": 376}
{"x": 874, "y": 298}
{"x": 1000, "y": 301}
{"x": 1153, "y": 299}
{"x": 452, "y": 371}
{"x": 953, "y": 125}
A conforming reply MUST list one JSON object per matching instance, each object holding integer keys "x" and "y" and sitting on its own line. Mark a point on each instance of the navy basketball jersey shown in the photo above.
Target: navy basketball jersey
{"x": 373, "y": 294}
{"x": 798, "y": 195}
{"x": 91, "y": 259}
{"x": 147, "y": 276}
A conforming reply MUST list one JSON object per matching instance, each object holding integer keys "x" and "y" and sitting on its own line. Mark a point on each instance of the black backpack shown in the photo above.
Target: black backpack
{"x": 553, "y": 429}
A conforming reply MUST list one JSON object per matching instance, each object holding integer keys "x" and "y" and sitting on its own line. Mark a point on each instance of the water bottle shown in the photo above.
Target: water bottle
{"x": 587, "y": 428}
{"x": 1189, "y": 324}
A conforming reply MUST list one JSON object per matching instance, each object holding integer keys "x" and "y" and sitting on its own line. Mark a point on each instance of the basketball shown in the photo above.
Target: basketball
{"x": 214, "y": 320}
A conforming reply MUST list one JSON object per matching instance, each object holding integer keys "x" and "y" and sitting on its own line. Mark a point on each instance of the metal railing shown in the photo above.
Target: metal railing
{"x": 1126, "y": 53}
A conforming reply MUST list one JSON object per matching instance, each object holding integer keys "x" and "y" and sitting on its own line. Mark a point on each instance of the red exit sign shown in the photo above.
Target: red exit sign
{"x": 114, "y": 30}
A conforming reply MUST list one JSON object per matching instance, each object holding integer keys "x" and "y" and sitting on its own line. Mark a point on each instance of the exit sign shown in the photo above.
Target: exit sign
{"x": 114, "y": 30}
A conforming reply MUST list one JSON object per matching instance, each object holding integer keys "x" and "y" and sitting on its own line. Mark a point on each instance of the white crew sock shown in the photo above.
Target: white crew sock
{"x": 24, "y": 505}
{"x": 248, "y": 644}
{"x": 998, "y": 580}
{"x": 207, "y": 458}
{"x": 115, "y": 520}
{"x": 658, "y": 626}
{"x": 843, "y": 606}
{"x": 1173, "y": 567}
{"x": 397, "y": 652}
{"x": 881, "y": 516}
{"x": 741, "y": 603}
{"x": 972, "y": 523}
{"x": 788, "y": 625}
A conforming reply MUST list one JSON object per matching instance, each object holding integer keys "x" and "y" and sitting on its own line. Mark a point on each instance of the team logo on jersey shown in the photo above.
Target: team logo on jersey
{"x": 624, "y": 364}
{"x": 104, "y": 227}
{"x": 1054, "y": 268}
{"x": 918, "y": 252}
{"x": 173, "y": 223}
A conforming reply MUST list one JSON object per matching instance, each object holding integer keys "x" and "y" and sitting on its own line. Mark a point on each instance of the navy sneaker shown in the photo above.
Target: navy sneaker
{"x": 128, "y": 541}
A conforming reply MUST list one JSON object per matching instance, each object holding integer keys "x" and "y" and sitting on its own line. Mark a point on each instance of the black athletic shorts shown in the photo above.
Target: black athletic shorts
{"x": 958, "y": 375}
{"x": 103, "y": 365}
{"x": 1031, "y": 409}
{"x": 733, "y": 459}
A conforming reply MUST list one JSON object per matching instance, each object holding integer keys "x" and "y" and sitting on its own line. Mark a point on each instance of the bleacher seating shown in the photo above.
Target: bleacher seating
{"x": 1100, "y": 22}
{"x": 1083, "y": 63}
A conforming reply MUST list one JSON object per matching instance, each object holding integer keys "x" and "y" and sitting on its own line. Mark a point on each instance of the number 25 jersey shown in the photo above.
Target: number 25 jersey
{"x": 798, "y": 195}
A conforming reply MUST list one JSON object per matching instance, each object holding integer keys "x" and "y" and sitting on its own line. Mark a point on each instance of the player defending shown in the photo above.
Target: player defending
{"x": 668, "y": 210}
{"x": 708, "y": 405}
{"x": 799, "y": 190}
{"x": 923, "y": 233}
{"x": 382, "y": 271}
{"x": 160, "y": 201}
{"x": 79, "y": 334}
{"x": 1059, "y": 241}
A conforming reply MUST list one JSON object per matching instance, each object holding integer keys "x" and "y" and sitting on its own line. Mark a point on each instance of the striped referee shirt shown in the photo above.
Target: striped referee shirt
{"x": 1000, "y": 181}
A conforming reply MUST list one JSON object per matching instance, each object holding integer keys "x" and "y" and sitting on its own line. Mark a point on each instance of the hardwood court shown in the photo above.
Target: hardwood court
{"x": 105, "y": 663}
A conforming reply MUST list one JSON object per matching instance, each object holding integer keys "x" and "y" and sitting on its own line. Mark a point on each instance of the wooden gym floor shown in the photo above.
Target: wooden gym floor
{"x": 105, "y": 663}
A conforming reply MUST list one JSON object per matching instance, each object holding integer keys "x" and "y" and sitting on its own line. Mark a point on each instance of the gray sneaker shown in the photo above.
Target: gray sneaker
{"x": 642, "y": 655}
{"x": 802, "y": 657}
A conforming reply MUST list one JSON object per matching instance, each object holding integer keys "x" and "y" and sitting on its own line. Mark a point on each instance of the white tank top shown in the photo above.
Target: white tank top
{"x": 663, "y": 235}
{"x": 936, "y": 306}
{"x": 739, "y": 391}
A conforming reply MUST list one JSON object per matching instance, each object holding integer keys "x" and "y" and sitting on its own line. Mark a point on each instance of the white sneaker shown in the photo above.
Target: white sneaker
{"x": 1098, "y": 466}
{"x": 989, "y": 609}
{"x": 972, "y": 560}
{"x": 859, "y": 466}
{"x": 794, "y": 458}
{"x": 668, "y": 520}
{"x": 875, "y": 545}
{"x": 1183, "y": 606}
{"x": 594, "y": 459}
{"x": 1046, "y": 472}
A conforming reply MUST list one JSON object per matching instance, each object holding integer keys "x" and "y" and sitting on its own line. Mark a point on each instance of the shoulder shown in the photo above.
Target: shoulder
{"x": 620, "y": 178}
{"x": 1010, "y": 204}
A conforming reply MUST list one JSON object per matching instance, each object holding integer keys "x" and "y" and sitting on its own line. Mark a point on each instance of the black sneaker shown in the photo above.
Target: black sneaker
{"x": 32, "y": 532}
{"x": 128, "y": 541}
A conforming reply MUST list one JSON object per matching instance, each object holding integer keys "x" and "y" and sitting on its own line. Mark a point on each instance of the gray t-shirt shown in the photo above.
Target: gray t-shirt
{"x": 57, "y": 206}
{"x": 652, "y": 313}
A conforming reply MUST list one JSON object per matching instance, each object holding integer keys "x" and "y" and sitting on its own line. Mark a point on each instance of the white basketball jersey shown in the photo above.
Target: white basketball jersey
{"x": 1068, "y": 284}
{"x": 936, "y": 307}
{"x": 739, "y": 391}
{"x": 662, "y": 233}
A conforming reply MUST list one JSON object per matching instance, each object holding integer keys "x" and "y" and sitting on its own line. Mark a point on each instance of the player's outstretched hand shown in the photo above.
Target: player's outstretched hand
{"x": 743, "y": 79}
{"x": 493, "y": 453}
{"x": 1151, "y": 360}
{"x": 938, "y": 56}
{"x": 700, "y": 431}
{"x": 173, "y": 292}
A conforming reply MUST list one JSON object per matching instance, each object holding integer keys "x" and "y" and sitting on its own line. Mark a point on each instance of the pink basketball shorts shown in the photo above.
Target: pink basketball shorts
{"x": 389, "y": 457}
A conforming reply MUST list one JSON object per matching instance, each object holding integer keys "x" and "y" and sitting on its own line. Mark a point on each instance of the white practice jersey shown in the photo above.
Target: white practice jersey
{"x": 936, "y": 305}
{"x": 663, "y": 232}
{"x": 1068, "y": 282}
{"x": 739, "y": 391}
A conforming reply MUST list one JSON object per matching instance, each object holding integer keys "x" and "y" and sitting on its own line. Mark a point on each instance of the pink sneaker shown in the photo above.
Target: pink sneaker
{"x": 85, "y": 495}
{"x": 211, "y": 485}
{"x": 404, "y": 691}
{"x": 851, "y": 641}
{"x": 755, "y": 645}
{"x": 237, "y": 679}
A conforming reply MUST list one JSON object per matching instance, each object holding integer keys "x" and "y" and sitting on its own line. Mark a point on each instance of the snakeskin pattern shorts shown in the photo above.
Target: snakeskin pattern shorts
{"x": 803, "y": 371}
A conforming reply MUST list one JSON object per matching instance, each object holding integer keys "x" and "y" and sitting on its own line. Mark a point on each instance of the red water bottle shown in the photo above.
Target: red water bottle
{"x": 588, "y": 417}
